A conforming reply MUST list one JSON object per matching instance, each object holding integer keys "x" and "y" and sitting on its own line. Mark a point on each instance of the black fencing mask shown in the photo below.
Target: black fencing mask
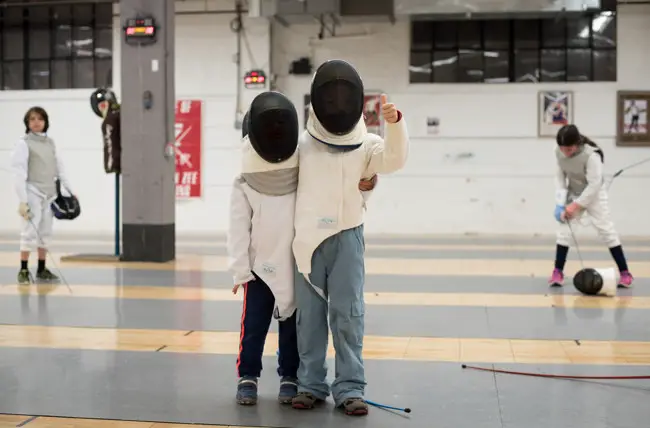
{"x": 99, "y": 96}
{"x": 272, "y": 126}
{"x": 588, "y": 281}
{"x": 337, "y": 96}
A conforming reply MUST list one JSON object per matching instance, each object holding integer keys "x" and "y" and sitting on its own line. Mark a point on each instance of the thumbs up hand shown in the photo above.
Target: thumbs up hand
{"x": 388, "y": 110}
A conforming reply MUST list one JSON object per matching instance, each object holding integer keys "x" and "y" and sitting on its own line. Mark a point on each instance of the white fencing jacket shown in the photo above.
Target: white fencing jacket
{"x": 26, "y": 179}
{"x": 260, "y": 233}
{"x": 328, "y": 199}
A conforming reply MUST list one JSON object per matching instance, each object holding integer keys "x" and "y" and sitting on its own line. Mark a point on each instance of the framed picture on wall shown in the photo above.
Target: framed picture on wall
{"x": 555, "y": 109}
{"x": 632, "y": 119}
{"x": 371, "y": 111}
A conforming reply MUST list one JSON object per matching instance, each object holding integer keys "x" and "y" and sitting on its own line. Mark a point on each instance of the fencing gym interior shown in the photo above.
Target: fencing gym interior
{"x": 460, "y": 330}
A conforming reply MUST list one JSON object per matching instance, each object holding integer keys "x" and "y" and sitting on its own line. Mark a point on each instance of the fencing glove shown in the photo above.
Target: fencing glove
{"x": 24, "y": 211}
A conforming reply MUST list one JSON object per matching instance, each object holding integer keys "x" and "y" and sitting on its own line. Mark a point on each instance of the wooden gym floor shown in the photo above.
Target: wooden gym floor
{"x": 154, "y": 345}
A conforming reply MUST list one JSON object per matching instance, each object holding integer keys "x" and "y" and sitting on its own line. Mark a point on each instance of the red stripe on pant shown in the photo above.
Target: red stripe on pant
{"x": 242, "y": 329}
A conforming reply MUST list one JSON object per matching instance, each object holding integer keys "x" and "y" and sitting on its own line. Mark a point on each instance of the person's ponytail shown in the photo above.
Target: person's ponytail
{"x": 600, "y": 152}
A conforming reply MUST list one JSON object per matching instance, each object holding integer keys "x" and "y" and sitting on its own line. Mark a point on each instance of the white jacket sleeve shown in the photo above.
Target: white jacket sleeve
{"x": 239, "y": 235}
{"x": 561, "y": 191}
{"x": 61, "y": 174}
{"x": 19, "y": 166}
{"x": 389, "y": 155}
{"x": 594, "y": 180}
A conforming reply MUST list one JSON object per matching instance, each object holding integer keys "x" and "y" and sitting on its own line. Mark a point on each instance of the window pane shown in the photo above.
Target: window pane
{"x": 13, "y": 75}
{"x": 553, "y": 33}
{"x": 104, "y": 42}
{"x": 103, "y": 15}
{"x": 420, "y": 67}
{"x": 579, "y": 65}
{"x": 13, "y": 16}
{"x": 82, "y": 14}
{"x": 38, "y": 16}
{"x": 605, "y": 65}
{"x": 39, "y": 43}
{"x": 577, "y": 35}
{"x": 445, "y": 34}
{"x": 63, "y": 41}
{"x": 83, "y": 73}
{"x": 82, "y": 41}
{"x": 469, "y": 34}
{"x": 604, "y": 29}
{"x": 553, "y": 66}
{"x": 526, "y": 33}
{"x": 526, "y": 66}
{"x": 445, "y": 67}
{"x": 496, "y": 33}
{"x": 470, "y": 66}
{"x": 103, "y": 72}
{"x": 496, "y": 67}
{"x": 61, "y": 77}
{"x": 421, "y": 35}
{"x": 12, "y": 43}
{"x": 39, "y": 75}
{"x": 62, "y": 15}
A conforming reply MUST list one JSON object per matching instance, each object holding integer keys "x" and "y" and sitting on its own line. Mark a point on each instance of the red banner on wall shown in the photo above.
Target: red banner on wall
{"x": 188, "y": 145}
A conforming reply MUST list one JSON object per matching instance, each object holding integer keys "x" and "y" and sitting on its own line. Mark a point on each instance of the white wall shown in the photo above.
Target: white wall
{"x": 504, "y": 187}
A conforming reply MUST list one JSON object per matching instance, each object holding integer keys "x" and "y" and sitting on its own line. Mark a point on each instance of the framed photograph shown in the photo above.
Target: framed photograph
{"x": 555, "y": 109}
{"x": 632, "y": 119}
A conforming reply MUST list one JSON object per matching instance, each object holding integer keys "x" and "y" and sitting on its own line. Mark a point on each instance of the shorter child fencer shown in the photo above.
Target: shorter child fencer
{"x": 259, "y": 241}
{"x": 36, "y": 165}
{"x": 580, "y": 188}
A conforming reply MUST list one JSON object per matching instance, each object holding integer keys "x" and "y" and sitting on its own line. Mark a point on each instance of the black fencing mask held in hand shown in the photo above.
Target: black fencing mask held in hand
{"x": 337, "y": 96}
{"x": 272, "y": 126}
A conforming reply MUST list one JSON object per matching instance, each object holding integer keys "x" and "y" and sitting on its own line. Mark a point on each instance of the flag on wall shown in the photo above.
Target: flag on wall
{"x": 187, "y": 147}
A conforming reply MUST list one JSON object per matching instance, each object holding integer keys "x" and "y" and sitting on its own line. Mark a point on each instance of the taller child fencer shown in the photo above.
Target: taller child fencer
{"x": 260, "y": 237}
{"x": 335, "y": 151}
{"x": 36, "y": 165}
{"x": 580, "y": 184}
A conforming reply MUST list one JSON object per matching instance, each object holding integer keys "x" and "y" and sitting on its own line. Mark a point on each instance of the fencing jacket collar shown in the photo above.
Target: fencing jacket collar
{"x": 349, "y": 141}
{"x": 268, "y": 178}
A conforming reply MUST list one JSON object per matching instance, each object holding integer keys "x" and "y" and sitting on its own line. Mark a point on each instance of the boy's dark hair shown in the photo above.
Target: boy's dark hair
{"x": 39, "y": 111}
{"x": 569, "y": 135}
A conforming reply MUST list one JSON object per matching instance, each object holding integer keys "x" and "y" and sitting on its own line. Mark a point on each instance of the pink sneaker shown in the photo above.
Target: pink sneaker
{"x": 557, "y": 278}
{"x": 626, "y": 279}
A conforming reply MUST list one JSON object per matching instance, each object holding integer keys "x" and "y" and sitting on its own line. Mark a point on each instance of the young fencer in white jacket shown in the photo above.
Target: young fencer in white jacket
{"x": 335, "y": 151}
{"x": 580, "y": 188}
{"x": 36, "y": 164}
{"x": 260, "y": 236}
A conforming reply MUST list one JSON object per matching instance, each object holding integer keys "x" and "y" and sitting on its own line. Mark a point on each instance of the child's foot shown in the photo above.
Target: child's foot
{"x": 247, "y": 391}
{"x": 626, "y": 279}
{"x": 288, "y": 389}
{"x": 355, "y": 407}
{"x": 24, "y": 277}
{"x": 46, "y": 275}
{"x": 304, "y": 401}
{"x": 556, "y": 279}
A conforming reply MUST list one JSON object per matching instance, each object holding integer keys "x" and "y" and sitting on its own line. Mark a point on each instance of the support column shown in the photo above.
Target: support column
{"x": 148, "y": 187}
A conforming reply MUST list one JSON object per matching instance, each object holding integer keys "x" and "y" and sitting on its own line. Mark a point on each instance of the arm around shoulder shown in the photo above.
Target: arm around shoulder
{"x": 390, "y": 154}
{"x": 239, "y": 235}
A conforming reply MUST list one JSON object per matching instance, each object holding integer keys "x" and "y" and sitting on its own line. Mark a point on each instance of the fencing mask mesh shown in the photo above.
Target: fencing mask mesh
{"x": 273, "y": 126}
{"x": 588, "y": 281}
{"x": 337, "y": 96}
